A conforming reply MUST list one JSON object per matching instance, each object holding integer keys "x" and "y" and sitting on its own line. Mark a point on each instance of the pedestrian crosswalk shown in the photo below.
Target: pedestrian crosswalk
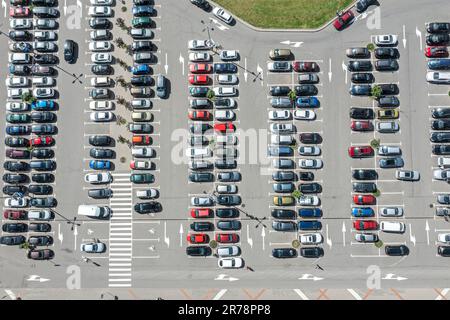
{"x": 121, "y": 231}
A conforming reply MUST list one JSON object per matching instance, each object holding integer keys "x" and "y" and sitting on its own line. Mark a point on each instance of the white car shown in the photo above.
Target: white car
{"x": 143, "y": 152}
{"x": 308, "y": 200}
{"x": 20, "y": 24}
{"x": 227, "y": 79}
{"x": 230, "y": 263}
{"x": 93, "y": 247}
{"x": 141, "y": 103}
{"x": 304, "y": 115}
{"x": 44, "y": 214}
{"x": 224, "y": 91}
{"x": 385, "y": 150}
{"x": 386, "y": 40}
{"x": 310, "y": 163}
{"x": 98, "y": 178}
{"x": 199, "y": 56}
{"x": 100, "y": 35}
{"x": 438, "y": 77}
{"x": 100, "y": 116}
{"x": 228, "y": 251}
{"x": 202, "y": 201}
{"x": 141, "y": 165}
{"x": 309, "y": 150}
{"x": 198, "y": 152}
{"x": 101, "y": 2}
{"x": 366, "y": 237}
{"x": 228, "y": 55}
{"x": 44, "y": 81}
{"x": 101, "y": 81}
{"x": 17, "y": 93}
{"x": 151, "y": 193}
{"x": 101, "y": 105}
{"x": 226, "y": 188}
{"x": 45, "y": 23}
{"x": 226, "y": 139}
{"x": 44, "y": 46}
{"x": 17, "y": 82}
{"x": 99, "y": 11}
{"x": 200, "y": 45}
{"x": 16, "y": 203}
{"x": 224, "y": 103}
{"x": 311, "y": 238}
{"x": 440, "y": 174}
{"x": 281, "y": 139}
{"x": 100, "y": 46}
{"x": 44, "y": 35}
{"x": 443, "y": 162}
{"x": 224, "y": 115}
{"x": 222, "y": 15}
{"x": 281, "y": 128}
{"x": 444, "y": 238}
{"x": 392, "y": 226}
{"x": 279, "y": 115}
{"x": 101, "y": 58}
{"x": 17, "y": 106}
{"x": 43, "y": 93}
{"x": 407, "y": 175}
{"x": 391, "y": 211}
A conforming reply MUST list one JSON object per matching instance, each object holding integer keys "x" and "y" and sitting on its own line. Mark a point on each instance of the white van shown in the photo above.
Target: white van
{"x": 394, "y": 227}
{"x": 443, "y": 162}
{"x": 19, "y": 58}
{"x": 92, "y": 211}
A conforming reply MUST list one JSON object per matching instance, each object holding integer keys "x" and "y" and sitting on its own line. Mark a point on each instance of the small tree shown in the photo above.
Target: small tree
{"x": 296, "y": 243}
{"x": 375, "y": 143}
{"x": 376, "y": 91}
{"x": 211, "y": 95}
{"x": 120, "y": 100}
{"x": 213, "y": 244}
{"x": 27, "y": 97}
{"x": 371, "y": 47}
{"x": 26, "y": 246}
{"x": 377, "y": 193}
{"x": 296, "y": 194}
{"x": 292, "y": 95}
{"x": 121, "y": 139}
{"x": 124, "y": 9}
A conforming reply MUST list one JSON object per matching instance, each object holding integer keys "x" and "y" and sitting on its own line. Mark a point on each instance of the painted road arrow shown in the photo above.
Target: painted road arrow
{"x": 263, "y": 235}
{"x": 181, "y": 235}
{"x": 404, "y": 37}
{"x": 166, "y": 66}
{"x": 181, "y": 60}
{"x": 224, "y": 277}
{"x": 419, "y": 35}
{"x": 391, "y": 276}
{"x": 343, "y": 233}
{"x": 37, "y": 278}
{"x": 308, "y": 276}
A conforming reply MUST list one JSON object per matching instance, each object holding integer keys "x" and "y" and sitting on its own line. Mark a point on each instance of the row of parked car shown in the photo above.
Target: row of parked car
{"x": 30, "y": 129}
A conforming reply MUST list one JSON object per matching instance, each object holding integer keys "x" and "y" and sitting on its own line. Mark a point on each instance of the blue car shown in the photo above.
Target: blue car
{"x": 43, "y": 105}
{"x": 280, "y": 151}
{"x": 310, "y": 225}
{"x": 140, "y": 69}
{"x": 143, "y": 11}
{"x": 439, "y": 64}
{"x": 100, "y": 164}
{"x": 310, "y": 212}
{"x": 225, "y": 68}
{"x": 362, "y": 212}
{"x": 307, "y": 102}
{"x": 17, "y": 130}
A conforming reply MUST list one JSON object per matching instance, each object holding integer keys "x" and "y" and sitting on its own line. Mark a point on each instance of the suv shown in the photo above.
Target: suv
{"x": 69, "y": 51}
{"x": 161, "y": 87}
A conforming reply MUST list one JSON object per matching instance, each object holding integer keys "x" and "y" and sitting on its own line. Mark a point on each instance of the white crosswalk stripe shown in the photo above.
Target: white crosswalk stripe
{"x": 121, "y": 231}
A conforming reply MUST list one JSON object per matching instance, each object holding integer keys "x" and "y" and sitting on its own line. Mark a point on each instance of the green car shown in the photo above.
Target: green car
{"x": 141, "y": 22}
{"x": 142, "y": 178}
{"x": 17, "y": 118}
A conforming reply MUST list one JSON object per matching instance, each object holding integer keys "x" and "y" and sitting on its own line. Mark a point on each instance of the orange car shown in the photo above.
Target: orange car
{"x": 141, "y": 140}
{"x": 199, "y": 68}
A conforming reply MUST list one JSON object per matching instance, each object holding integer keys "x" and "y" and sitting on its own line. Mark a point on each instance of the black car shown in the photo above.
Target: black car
{"x": 386, "y": 53}
{"x": 311, "y": 252}
{"x": 284, "y": 176}
{"x": 45, "y": 59}
{"x": 358, "y": 53}
{"x": 363, "y": 77}
{"x": 437, "y": 39}
{"x": 17, "y": 142}
{"x": 440, "y": 149}
{"x": 43, "y": 177}
{"x": 12, "y": 240}
{"x": 313, "y": 187}
{"x": 284, "y": 226}
{"x": 311, "y": 138}
{"x": 19, "y": 70}
{"x": 223, "y": 102}
{"x": 99, "y": 23}
{"x": 443, "y": 137}
{"x": 364, "y": 174}
{"x": 306, "y": 176}
{"x": 138, "y": 46}
{"x": 282, "y": 253}
{"x": 12, "y": 189}
{"x": 19, "y": 35}
{"x": 441, "y": 124}
{"x": 306, "y": 90}
{"x": 228, "y": 200}
{"x": 41, "y": 129}
{"x": 438, "y": 27}
{"x": 99, "y": 153}
{"x": 42, "y": 153}
{"x": 279, "y": 91}
{"x": 202, "y": 226}
{"x": 14, "y": 227}
{"x": 40, "y": 240}
{"x": 362, "y": 5}
{"x": 40, "y": 227}
{"x": 228, "y": 225}
{"x": 225, "y": 68}
{"x": 444, "y": 251}
{"x": 15, "y": 178}
{"x": 359, "y": 65}
{"x": 16, "y": 166}
{"x": 40, "y": 189}
{"x": 142, "y": 81}
{"x": 47, "y": 202}
{"x": 386, "y": 65}
{"x": 361, "y": 113}
{"x": 361, "y": 90}
{"x": 227, "y": 213}
{"x": 283, "y": 214}
{"x": 201, "y": 177}
{"x": 198, "y": 251}
{"x": 388, "y": 102}
{"x": 388, "y": 88}
{"x": 43, "y": 165}
{"x": 100, "y": 193}
{"x": 102, "y": 69}
{"x": 400, "y": 250}
{"x": 147, "y": 207}
{"x": 438, "y": 113}
{"x": 44, "y": 116}
{"x": 225, "y": 164}
{"x": 364, "y": 187}
{"x": 100, "y": 140}
{"x": 44, "y": 3}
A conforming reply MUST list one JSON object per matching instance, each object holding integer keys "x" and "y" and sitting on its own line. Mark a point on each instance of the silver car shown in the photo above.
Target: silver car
{"x": 366, "y": 237}
{"x": 202, "y": 201}
{"x": 228, "y": 251}
{"x": 391, "y": 211}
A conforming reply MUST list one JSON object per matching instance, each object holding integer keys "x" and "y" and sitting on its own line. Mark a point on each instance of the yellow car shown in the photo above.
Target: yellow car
{"x": 280, "y": 54}
{"x": 283, "y": 201}
{"x": 387, "y": 114}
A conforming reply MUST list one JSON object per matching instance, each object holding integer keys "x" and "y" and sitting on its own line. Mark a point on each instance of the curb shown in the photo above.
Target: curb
{"x": 326, "y": 24}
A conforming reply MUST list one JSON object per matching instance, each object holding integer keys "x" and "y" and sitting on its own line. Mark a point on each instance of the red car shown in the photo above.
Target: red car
{"x": 197, "y": 238}
{"x": 305, "y": 66}
{"x": 226, "y": 127}
{"x": 360, "y": 152}
{"x": 15, "y": 214}
{"x": 436, "y": 52}
{"x": 361, "y": 199}
{"x": 199, "y": 115}
{"x": 343, "y": 19}
{"x": 142, "y": 140}
{"x": 365, "y": 225}
{"x": 41, "y": 141}
{"x": 202, "y": 213}
{"x": 18, "y": 12}
{"x": 361, "y": 125}
{"x": 198, "y": 79}
{"x": 199, "y": 68}
{"x": 227, "y": 237}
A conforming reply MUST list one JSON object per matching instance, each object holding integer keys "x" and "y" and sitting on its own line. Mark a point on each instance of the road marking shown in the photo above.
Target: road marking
{"x": 37, "y": 278}
{"x": 419, "y": 35}
{"x": 225, "y": 277}
{"x": 441, "y": 295}
{"x": 294, "y": 44}
{"x": 301, "y": 294}
{"x": 220, "y": 294}
{"x": 181, "y": 60}
{"x": 354, "y": 294}
{"x": 166, "y": 66}
{"x": 343, "y": 233}
{"x": 308, "y": 276}
{"x": 13, "y": 296}
{"x": 330, "y": 74}
{"x": 249, "y": 240}
{"x": 181, "y": 235}
{"x": 427, "y": 229}
{"x": 404, "y": 37}
{"x": 392, "y": 276}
